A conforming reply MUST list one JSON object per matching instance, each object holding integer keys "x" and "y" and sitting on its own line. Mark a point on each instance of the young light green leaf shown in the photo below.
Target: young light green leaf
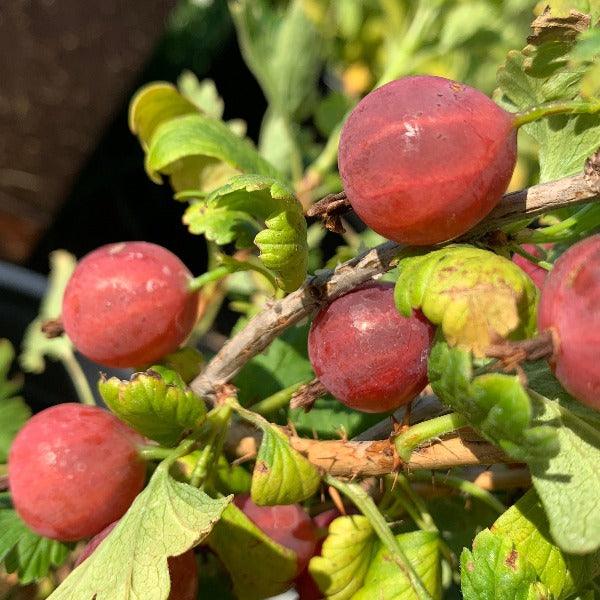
{"x": 13, "y": 410}
{"x": 154, "y": 104}
{"x": 25, "y": 553}
{"x": 36, "y": 346}
{"x": 495, "y": 570}
{"x": 568, "y": 482}
{"x": 166, "y": 519}
{"x": 203, "y": 94}
{"x": 259, "y": 567}
{"x": 159, "y": 408}
{"x": 185, "y": 146}
{"x": 464, "y": 21}
{"x": 281, "y": 474}
{"x": 542, "y": 72}
{"x": 495, "y": 404}
{"x": 525, "y": 525}
{"x": 230, "y": 211}
{"x": 345, "y": 557}
{"x": 283, "y": 48}
{"x": 477, "y": 297}
{"x": 386, "y": 581}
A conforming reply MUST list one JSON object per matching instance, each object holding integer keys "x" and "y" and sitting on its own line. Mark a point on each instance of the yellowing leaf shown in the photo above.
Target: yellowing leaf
{"x": 478, "y": 297}
{"x": 259, "y": 567}
{"x": 340, "y": 570}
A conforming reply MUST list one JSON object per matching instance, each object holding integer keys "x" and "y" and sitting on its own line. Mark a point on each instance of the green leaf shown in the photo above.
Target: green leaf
{"x": 281, "y": 474}
{"x": 464, "y": 21}
{"x": 13, "y": 415}
{"x": 540, "y": 73}
{"x": 259, "y": 567}
{"x": 345, "y": 557}
{"x": 386, "y": 581}
{"x": 494, "y": 403}
{"x": 477, "y": 297}
{"x": 494, "y": 570}
{"x": 329, "y": 418}
{"x": 230, "y": 212}
{"x": 283, "y": 49}
{"x": 154, "y": 104}
{"x": 157, "y": 408}
{"x": 166, "y": 519}
{"x": 525, "y": 525}
{"x": 24, "y": 552}
{"x": 36, "y": 346}
{"x": 568, "y": 482}
{"x": 13, "y": 410}
{"x": 284, "y": 363}
{"x": 186, "y": 146}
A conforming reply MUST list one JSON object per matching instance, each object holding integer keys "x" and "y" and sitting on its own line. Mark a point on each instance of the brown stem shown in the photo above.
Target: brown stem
{"x": 342, "y": 458}
{"x": 512, "y": 353}
{"x": 306, "y": 396}
{"x": 326, "y": 286}
{"x": 330, "y": 209}
{"x": 3, "y": 483}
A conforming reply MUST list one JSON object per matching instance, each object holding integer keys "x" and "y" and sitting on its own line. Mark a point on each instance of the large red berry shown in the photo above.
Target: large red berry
{"x": 183, "y": 569}
{"x": 570, "y": 308}
{"x": 366, "y": 353}
{"x": 74, "y": 469}
{"x": 289, "y": 525}
{"x": 423, "y": 159}
{"x": 128, "y": 304}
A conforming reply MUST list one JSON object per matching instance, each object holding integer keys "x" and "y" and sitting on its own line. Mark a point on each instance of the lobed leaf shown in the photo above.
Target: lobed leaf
{"x": 494, "y": 570}
{"x": 233, "y": 211}
{"x": 386, "y": 581}
{"x": 543, "y": 72}
{"x": 259, "y": 567}
{"x": 166, "y": 519}
{"x": 568, "y": 482}
{"x": 345, "y": 557}
{"x": 495, "y": 404}
{"x": 525, "y": 524}
{"x": 159, "y": 406}
{"x": 24, "y": 552}
{"x": 477, "y": 297}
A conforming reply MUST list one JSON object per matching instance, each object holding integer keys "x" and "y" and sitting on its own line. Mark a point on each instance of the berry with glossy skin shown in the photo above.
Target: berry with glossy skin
{"x": 537, "y": 274}
{"x": 423, "y": 159}
{"x": 366, "y": 353}
{"x": 128, "y": 304}
{"x": 570, "y": 308}
{"x": 74, "y": 469}
{"x": 289, "y": 525}
{"x": 183, "y": 569}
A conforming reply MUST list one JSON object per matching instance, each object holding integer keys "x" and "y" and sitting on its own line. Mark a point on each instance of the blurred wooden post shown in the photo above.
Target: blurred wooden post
{"x": 67, "y": 66}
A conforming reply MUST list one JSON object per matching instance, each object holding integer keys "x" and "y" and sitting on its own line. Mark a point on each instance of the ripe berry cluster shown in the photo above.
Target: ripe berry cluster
{"x": 422, "y": 159}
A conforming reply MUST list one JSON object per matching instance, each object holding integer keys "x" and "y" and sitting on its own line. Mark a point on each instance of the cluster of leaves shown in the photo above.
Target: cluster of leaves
{"x": 240, "y": 197}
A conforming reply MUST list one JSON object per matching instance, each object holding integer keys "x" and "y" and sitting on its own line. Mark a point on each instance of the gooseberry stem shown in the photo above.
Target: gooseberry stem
{"x": 406, "y": 443}
{"x": 573, "y": 107}
{"x": 531, "y": 258}
{"x": 213, "y": 275}
{"x": 277, "y": 400}
{"x": 367, "y": 507}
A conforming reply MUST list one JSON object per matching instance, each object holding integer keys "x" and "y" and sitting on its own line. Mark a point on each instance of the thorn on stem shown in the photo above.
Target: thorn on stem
{"x": 53, "y": 328}
{"x": 306, "y": 396}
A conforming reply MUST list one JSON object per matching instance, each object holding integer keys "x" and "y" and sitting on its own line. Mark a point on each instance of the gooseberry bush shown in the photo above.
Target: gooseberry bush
{"x": 413, "y": 415}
